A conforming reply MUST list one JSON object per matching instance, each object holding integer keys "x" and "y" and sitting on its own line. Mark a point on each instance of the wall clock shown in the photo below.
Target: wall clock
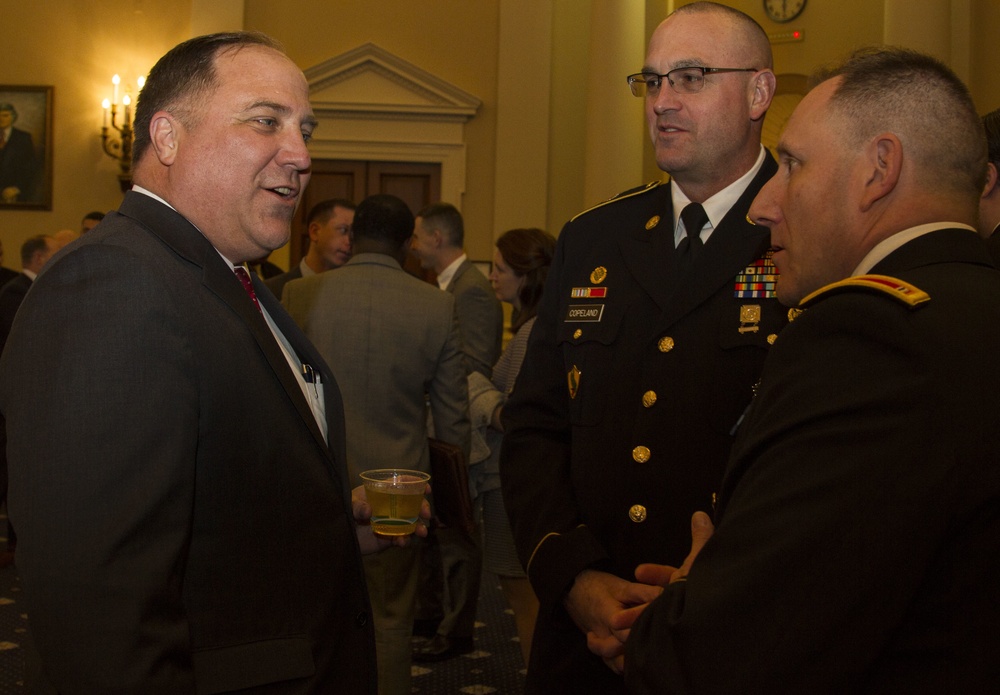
{"x": 784, "y": 10}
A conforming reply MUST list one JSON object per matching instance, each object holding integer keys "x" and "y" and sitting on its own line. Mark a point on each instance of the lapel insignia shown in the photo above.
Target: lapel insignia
{"x": 598, "y": 274}
{"x": 652, "y": 222}
{"x": 588, "y": 292}
{"x": 749, "y": 318}
{"x": 794, "y": 313}
{"x": 573, "y": 380}
{"x": 757, "y": 280}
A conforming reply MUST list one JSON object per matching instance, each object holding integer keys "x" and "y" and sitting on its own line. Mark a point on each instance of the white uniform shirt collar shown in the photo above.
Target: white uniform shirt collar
{"x": 717, "y": 206}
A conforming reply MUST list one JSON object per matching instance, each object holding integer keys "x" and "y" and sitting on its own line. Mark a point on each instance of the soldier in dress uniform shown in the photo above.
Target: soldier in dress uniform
{"x": 657, "y": 316}
{"x": 857, "y": 528}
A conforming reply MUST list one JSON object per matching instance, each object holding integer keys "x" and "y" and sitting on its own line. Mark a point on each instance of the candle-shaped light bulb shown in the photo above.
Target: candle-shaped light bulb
{"x": 115, "y": 80}
{"x": 106, "y": 104}
{"x": 140, "y": 82}
{"x": 127, "y": 100}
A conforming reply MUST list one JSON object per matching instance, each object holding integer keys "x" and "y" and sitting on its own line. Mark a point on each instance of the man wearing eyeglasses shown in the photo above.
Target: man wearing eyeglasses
{"x": 650, "y": 336}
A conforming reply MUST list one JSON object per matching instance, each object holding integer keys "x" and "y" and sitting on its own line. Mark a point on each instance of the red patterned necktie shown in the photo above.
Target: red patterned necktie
{"x": 244, "y": 277}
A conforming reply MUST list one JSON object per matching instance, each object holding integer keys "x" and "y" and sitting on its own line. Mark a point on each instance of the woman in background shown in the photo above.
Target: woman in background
{"x": 520, "y": 265}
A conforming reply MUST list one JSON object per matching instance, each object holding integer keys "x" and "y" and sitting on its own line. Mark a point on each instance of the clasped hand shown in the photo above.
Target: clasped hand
{"x": 605, "y": 606}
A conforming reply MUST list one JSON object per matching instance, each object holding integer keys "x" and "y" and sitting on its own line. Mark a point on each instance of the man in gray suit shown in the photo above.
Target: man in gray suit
{"x": 392, "y": 342}
{"x": 437, "y": 243}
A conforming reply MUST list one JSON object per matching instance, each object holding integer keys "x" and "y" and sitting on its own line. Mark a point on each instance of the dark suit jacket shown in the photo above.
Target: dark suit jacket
{"x": 183, "y": 526}
{"x": 11, "y": 296}
{"x": 278, "y": 282}
{"x": 17, "y": 164}
{"x": 857, "y": 545}
{"x": 601, "y": 478}
{"x": 480, "y": 318}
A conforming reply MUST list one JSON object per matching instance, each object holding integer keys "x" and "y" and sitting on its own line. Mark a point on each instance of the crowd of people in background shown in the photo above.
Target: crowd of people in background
{"x": 741, "y": 436}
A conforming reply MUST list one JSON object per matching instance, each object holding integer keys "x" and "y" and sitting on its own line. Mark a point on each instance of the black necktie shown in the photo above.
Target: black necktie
{"x": 244, "y": 277}
{"x": 694, "y": 218}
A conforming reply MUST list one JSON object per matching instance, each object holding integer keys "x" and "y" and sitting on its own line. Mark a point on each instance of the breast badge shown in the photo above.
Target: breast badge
{"x": 598, "y": 274}
{"x": 573, "y": 380}
{"x": 749, "y": 318}
{"x": 758, "y": 280}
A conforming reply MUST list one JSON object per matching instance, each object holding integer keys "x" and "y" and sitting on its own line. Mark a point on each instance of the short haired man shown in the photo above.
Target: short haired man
{"x": 329, "y": 225}
{"x": 438, "y": 237}
{"x": 90, "y": 220}
{"x": 394, "y": 346}
{"x": 989, "y": 202}
{"x": 176, "y": 444}
{"x": 857, "y": 529}
{"x": 650, "y": 336}
{"x": 35, "y": 253}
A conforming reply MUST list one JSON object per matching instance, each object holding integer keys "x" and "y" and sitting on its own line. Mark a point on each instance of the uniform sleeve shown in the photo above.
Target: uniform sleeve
{"x": 535, "y": 458}
{"x": 99, "y": 392}
{"x": 836, "y": 513}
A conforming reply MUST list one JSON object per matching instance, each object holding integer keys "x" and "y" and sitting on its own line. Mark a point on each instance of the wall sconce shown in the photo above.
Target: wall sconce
{"x": 120, "y": 149}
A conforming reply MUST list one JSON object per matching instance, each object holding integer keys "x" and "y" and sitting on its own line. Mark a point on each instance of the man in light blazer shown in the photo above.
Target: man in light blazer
{"x": 438, "y": 237}
{"x": 392, "y": 342}
{"x": 179, "y": 488}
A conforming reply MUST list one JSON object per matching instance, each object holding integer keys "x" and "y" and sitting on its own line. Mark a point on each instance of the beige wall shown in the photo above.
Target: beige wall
{"x": 567, "y": 124}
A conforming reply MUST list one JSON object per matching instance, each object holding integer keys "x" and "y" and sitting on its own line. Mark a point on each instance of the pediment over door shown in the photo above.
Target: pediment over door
{"x": 373, "y": 105}
{"x": 370, "y": 82}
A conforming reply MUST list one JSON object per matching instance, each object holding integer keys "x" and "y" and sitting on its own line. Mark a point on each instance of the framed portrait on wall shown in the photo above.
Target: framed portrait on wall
{"x": 25, "y": 147}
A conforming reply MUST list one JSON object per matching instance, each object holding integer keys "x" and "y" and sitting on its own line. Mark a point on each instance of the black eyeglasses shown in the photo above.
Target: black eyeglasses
{"x": 682, "y": 80}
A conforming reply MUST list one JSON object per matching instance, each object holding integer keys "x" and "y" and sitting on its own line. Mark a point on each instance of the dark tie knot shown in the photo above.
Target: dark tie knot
{"x": 694, "y": 218}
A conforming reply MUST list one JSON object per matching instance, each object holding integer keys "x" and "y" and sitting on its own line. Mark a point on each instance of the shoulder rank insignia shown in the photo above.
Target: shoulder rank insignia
{"x": 899, "y": 290}
{"x": 639, "y": 190}
{"x": 757, "y": 280}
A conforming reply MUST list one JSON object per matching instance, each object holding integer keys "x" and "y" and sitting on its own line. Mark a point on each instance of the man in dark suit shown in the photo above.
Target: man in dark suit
{"x": 35, "y": 253}
{"x": 17, "y": 159}
{"x": 176, "y": 444}
{"x": 650, "y": 336}
{"x": 438, "y": 238}
{"x": 329, "y": 226}
{"x": 858, "y": 526}
{"x": 6, "y": 274}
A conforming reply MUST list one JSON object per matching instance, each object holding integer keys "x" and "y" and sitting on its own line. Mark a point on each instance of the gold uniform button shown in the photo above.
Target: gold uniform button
{"x": 640, "y": 454}
{"x": 637, "y": 513}
{"x": 649, "y": 399}
{"x": 577, "y": 333}
{"x": 771, "y": 338}
{"x": 666, "y": 344}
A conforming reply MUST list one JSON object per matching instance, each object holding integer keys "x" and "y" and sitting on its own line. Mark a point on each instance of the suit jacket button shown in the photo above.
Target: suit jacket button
{"x": 666, "y": 344}
{"x": 649, "y": 399}
{"x": 640, "y": 454}
{"x": 362, "y": 619}
{"x": 637, "y": 513}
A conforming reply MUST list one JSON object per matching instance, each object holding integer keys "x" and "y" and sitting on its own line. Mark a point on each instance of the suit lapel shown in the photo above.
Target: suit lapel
{"x": 189, "y": 243}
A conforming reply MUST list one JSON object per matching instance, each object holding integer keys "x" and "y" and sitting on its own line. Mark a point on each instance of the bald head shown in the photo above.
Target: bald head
{"x": 747, "y": 38}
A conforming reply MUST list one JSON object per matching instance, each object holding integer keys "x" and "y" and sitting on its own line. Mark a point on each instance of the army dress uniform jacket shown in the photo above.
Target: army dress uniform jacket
{"x": 858, "y": 524}
{"x": 620, "y": 423}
